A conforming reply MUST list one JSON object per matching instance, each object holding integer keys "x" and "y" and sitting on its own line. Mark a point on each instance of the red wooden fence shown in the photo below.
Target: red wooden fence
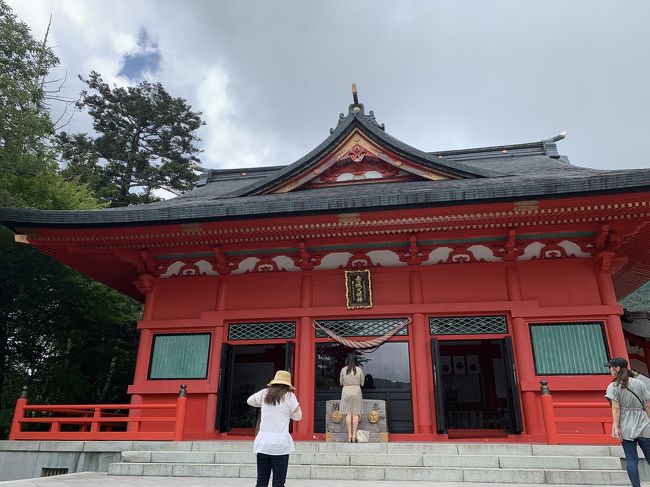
{"x": 98, "y": 421}
{"x": 551, "y": 420}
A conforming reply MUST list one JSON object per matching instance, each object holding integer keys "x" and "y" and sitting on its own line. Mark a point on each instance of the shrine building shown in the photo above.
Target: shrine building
{"x": 479, "y": 273}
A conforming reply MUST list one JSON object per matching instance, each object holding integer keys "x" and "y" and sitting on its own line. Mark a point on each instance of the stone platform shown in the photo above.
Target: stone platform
{"x": 471, "y": 463}
{"x": 434, "y": 462}
{"x": 338, "y": 432}
{"x": 92, "y": 479}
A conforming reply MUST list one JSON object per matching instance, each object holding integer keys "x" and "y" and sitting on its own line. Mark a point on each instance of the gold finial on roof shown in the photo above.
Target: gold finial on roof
{"x": 354, "y": 94}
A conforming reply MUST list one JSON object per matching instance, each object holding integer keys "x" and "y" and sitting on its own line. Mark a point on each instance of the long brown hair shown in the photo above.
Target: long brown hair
{"x": 622, "y": 377}
{"x": 275, "y": 393}
{"x": 351, "y": 363}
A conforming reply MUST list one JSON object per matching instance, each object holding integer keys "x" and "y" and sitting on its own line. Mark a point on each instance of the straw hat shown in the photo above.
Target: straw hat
{"x": 282, "y": 377}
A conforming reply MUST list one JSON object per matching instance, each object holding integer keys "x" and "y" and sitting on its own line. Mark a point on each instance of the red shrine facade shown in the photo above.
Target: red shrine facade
{"x": 506, "y": 262}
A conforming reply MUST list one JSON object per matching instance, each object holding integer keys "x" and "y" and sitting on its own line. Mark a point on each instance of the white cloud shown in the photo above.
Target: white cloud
{"x": 227, "y": 144}
{"x": 271, "y": 77}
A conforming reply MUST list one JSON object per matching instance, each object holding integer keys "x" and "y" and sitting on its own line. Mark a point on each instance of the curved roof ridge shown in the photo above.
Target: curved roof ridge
{"x": 357, "y": 118}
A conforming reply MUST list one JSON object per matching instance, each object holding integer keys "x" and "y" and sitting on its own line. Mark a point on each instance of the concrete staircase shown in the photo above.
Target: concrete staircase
{"x": 462, "y": 462}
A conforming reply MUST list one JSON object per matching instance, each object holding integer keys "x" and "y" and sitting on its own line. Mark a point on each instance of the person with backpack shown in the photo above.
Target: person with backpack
{"x": 629, "y": 398}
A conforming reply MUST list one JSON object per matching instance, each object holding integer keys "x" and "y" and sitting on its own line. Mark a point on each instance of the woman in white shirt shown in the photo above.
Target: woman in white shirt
{"x": 273, "y": 443}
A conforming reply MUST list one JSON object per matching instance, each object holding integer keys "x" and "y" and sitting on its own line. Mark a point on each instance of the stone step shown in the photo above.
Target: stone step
{"x": 378, "y": 459}
{"x": 513, "y": 449}
{"x": 365, "y": 472}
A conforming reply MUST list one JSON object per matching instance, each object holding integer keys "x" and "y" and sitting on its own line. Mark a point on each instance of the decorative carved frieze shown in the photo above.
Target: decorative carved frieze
{"x": 305, "y": 260}
{"x": 358, "y": 260}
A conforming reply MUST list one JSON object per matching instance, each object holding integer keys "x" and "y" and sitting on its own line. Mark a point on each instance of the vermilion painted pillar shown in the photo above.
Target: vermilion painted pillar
{"x": 422, "y": 370}
{"x": 142, "y": 360}
{"x": 523, "y": 354}
{"x": 211, "y": 398}
{"x": 215, "y": 363}
{"x": 615, "y": 334}
{"x": 617, "y": 344}
{"x": 135, "y": 399}
{"x": 148, "y": 285}
{"x": 144, "y": 345}
{"x": 305, "y": 361}
{"x": 222, "y": 295}
{"x": 215, "y": 360}
{"x": 423, "y": 374}
{"x": 140, "y": 375}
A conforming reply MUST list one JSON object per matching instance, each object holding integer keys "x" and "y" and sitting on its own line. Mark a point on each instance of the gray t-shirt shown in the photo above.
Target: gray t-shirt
{"x": 634, "y": 420}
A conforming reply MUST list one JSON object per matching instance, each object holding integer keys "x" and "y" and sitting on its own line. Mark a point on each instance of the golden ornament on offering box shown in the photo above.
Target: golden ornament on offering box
{"x": 336, "y": 415}
{"x": 373, "y": 415}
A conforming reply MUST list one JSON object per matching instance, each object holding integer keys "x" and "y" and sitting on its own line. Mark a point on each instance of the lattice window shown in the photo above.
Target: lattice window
{"x": 468, "y": 325}
{"x": 569, "y": 348}
{"x": 362, "y": 328}
{"x": 180, "y": 356}
{"x": 262, "y": 330}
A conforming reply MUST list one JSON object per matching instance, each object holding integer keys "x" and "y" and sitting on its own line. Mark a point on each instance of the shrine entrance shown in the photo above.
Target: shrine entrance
{"x": 476, "y": 393}
{"x": 388, "y": 377}
{"x": 245, "y": 369}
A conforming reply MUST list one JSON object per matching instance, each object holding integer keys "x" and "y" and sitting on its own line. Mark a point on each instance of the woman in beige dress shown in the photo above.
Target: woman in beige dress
{"x": 351, "y": 378}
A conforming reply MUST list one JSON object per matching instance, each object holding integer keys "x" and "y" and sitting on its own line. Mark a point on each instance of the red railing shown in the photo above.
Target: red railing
{"x": 551, "y": 421}
{"x": 98, "y": 421}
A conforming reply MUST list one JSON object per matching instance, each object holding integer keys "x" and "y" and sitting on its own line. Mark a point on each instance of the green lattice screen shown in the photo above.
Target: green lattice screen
{"x": 569, "y": 348}
{"x": 262, "y": 330}
{"x": 180, "y": 356}
{"x": 362, "y": 328}
{"x": 468, "y": 325}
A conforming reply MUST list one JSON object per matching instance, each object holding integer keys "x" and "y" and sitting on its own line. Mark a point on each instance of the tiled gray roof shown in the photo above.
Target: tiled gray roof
{"x": 347, "y": 198}
{"x": 226, "y": 181}
{"x": 512, "y": 172}
{"x": 637, "y": 323}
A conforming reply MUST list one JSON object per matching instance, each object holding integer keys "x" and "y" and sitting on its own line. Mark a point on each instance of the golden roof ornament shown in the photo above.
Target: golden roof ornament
{"x": 356, "y": 107}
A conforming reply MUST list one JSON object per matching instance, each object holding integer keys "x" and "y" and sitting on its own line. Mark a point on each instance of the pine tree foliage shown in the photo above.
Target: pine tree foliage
{"x": 145, "y": 141}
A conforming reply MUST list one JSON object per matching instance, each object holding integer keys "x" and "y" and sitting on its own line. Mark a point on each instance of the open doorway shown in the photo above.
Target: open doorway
{"x": 245, "y": 369}
{"x": 475, "y": 388}
{"x": 388, "y": 378}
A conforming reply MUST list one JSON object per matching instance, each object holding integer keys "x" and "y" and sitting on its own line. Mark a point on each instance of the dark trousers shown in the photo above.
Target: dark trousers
{"x": 267, "y": 463}
{"x": 632, "y": 457}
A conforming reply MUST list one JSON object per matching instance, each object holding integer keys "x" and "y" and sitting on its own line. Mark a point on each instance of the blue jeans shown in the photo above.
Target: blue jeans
{"x": 632, "y": 457}
{"x": 276, "y": 463}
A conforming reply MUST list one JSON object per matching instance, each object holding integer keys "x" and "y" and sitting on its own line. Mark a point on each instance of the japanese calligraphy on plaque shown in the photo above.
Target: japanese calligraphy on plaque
{"x": 357, "y": 289}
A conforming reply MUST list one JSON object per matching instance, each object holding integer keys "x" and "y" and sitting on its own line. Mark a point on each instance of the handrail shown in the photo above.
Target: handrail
{"x": 92, "y": 407}
{"x": 94, "y": 416}
{"x": 551, "y": 420}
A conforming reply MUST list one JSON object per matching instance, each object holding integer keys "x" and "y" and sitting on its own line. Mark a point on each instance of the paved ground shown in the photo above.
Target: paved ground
{"x": 102, "y": 480}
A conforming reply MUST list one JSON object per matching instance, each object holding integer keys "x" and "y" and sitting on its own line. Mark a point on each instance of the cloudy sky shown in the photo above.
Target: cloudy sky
{"x": 271, "y": 77}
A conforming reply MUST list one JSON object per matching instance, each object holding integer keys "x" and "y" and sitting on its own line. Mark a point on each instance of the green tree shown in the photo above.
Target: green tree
{"x": 28, "y": 166}
{"x": 68, "y": 338}
{"x": 145, "y": 142}
{"x": 639, "y": 300}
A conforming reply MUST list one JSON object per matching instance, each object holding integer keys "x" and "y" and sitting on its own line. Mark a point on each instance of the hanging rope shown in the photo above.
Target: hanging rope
{"x": 373, "y": 343}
